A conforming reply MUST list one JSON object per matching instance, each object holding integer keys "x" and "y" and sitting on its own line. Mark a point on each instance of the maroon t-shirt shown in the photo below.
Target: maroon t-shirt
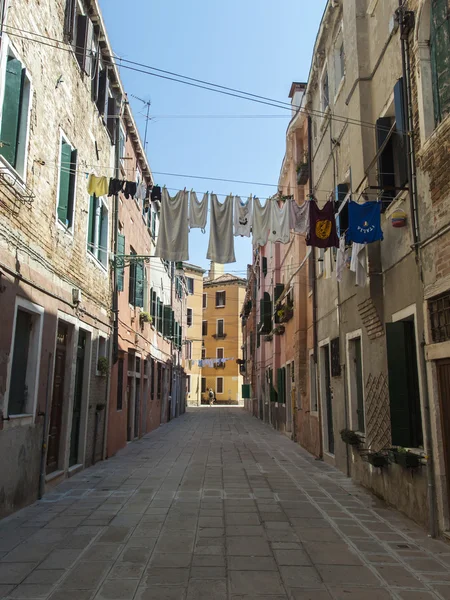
{"x": 322, "y": 226}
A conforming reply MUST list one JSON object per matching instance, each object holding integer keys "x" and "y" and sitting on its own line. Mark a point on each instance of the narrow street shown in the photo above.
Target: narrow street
{"x": 216, "y": 505}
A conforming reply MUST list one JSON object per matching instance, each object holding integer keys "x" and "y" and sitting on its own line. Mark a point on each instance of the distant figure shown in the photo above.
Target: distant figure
{"x": 211, "y": 397}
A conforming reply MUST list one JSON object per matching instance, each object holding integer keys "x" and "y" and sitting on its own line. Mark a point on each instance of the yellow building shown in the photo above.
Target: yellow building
{"x": 193, "y": 353}
{"x": 223, "y": 296}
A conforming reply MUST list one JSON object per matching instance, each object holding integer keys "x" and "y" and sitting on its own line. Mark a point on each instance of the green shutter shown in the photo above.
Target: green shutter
{"x": 440, "y": 57}
{"x": 180, "y": 344}
{"x": 246, "y": 393}
{"x": 139, "y": 283}
{"x": 266, "y": 313}
{"x": 280, "y": 385}
{"x": 91, "y": 224}
{"x": 404, "y": 398}
{"x": 172, "y": 323}
{"x": 120, "y": 252}
{"x": 167, "y": 319}
{"x": 145, "y": 306}
{"x": 72, "y": 181}
{"x": 11, "y": 110}
{"x": 64, "y": 182}
{"x": 279, "y": 289}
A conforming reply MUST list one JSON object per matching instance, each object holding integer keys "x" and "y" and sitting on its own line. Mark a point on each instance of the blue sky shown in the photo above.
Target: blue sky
{"x": 256, "y": 46}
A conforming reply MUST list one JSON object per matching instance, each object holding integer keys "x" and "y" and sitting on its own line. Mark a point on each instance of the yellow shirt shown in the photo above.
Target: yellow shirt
{"x": 97, "y": 186}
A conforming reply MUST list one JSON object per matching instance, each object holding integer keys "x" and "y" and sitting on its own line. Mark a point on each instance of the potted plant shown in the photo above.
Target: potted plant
{"x": 269, "y": 337}
{"x": 350, "y": 437}
{"x": 303, "y": 170}
{"x": 278, "y": 330}
{"x": 103, "y": 366}
{"x": 378, "y": 459}
{"x": 144, "y": 317}
{"x": 404, "y": 458}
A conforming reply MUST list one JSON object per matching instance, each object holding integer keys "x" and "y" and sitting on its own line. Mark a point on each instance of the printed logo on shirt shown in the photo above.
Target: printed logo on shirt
{"x": 243, "y": 221}
{"x": 366, "y": 227}
{"x": 323, "y": 229}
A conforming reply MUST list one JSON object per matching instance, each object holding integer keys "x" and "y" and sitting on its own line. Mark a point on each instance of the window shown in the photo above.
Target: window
{"x": 356, "y": 384}
{"x": 15, "y": 114}
{"x": 137, "y": 282}
{"x": 188, "y": 383}
{"x": 219, "y": 353}
{"x": 153, "y": 228}
{"x": 324, "y": 90}
{"x": 120, "y": 384}
{"x": 439, "y": 308}
{"x": 190, "y": 285}
{"x": 69, "y": 20}
{"x": 339, "y": 61}
{"x": 203, "y": 353}
{"x": 440, "y": 65}
{"x": 189, "y": 317}
{"x": 203, "y": 385}
{"x": 204, "y": 328}
{"x": 219, "y": 385}
{"x": 220, "y": 299}
{"x": 404, "y": 396}
{"x": 265, "y": 308}
{"x": 220, "y": 328}
{"x": 159, "y": 375}
{"x": 153, "y": 305}
{"x": 112, "y": 121}
{"x": 188, "y": 346}
{"x": 312, "y": 383}
{"x": 83, "y": 46}
{"x": 204, "y": 300}
{"x": 97, "y": 243}
{"x": 342, "y": 215}
{"x": 67, "y": 178}
{"x": 122, "y": 139}
{"x": 26, "y": 353}
{"x": 102, "y": 351}
{"x": 264, "y": 265}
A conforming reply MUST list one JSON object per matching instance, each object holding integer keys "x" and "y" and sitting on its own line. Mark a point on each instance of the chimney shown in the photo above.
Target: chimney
{"x": 216, "y": 270}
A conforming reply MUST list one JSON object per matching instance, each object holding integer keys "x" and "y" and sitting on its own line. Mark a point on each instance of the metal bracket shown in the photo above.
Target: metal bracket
{"x": 125, "y": 260}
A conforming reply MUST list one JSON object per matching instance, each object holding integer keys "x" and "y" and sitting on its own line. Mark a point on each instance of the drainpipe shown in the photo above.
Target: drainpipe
{"x": 115, "y": 309}
{"x": 314, "y": 280}
{"x": 406, "y": 20}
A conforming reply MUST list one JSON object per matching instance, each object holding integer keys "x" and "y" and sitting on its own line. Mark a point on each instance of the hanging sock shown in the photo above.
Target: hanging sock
{"x": 173, "y": 243}
{"x": 130, "y": 189}
{"x": 221, "y": 241}
{"x": 322, "y": 226}
{"x": 358, "y": 263}
{"x": 299, "y": 216}
{"x": 279, "y": 222}
{"x": 156, "y": 194}
{"x": 261, "y": 222}
{"x": 97, "y": 186}
{"x": 115, "y": 186}
{"x": 198, "y": 212}
{"x": 364, "y": 222}
{"x": 243, "y": 216}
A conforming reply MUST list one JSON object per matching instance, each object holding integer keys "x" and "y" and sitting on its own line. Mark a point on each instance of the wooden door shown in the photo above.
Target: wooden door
{"x": 443, "y": 370}
{"x": 328, "y": 398}
{"x": 77, "y": 399}
{"x": 54, "y": 436}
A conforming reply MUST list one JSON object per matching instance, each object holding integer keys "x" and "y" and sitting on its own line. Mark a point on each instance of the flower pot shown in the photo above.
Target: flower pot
{"x": 350, "y": 437}
{"x": 408, "y": 460}
{"x": 378, "y": 460}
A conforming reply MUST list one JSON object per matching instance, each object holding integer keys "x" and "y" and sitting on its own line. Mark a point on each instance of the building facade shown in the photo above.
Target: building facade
{"x": 223, "y": 297}
{"x": 194, "y": 341}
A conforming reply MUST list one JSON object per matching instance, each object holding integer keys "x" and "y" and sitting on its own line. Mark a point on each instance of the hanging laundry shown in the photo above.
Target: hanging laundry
{"x": 141, "y": 191}
{"x": 279, "y": 222}
{"x": 130, "y": 189}
{"x": 261, "y": 222}
{"x": 115, "y": 186}
{"x": 198, "y": 212}
{"x": 364, "y": 222}
{"x": 340, "y": 259}
{"x": 299, "y": 217}
{"x": 173, "y": 243}
{"x": 322, "y": 226}
{"x": 97, "y": 186}
{"x": 221, "y": 241}
{"x": 146, "y": 204}
{"x": 156, "y": 194}
{"x": 358, "y": 263}
{"x": 243, "y": 216}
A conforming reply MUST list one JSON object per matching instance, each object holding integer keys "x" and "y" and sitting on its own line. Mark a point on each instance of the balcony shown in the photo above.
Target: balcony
{"x": 219, "y": 336}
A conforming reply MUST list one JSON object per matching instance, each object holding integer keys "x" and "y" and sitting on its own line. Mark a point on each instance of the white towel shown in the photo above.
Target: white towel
{"x": 279, "y": 222}
{"x": 173, "y": 243}
{"x": 340, "y": 259}
{"x": 141, "y": 191}
{"x": 198, "y": 212}
{"x": 261, "y": 222}
{"x": 299, "y": 217}
{"x": 358, "y": 263}
{"x": 221, "y": 240}
{"x": 243, "y": 216}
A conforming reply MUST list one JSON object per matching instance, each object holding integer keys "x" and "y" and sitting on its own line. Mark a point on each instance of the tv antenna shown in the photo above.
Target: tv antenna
{"x": 147, "y": 104}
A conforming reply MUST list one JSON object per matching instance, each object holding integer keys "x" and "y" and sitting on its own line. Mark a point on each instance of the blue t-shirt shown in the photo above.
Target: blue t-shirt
{"x": 364, "y": 222}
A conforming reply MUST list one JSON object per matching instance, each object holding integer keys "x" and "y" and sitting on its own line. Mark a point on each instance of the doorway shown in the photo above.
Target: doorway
{"x": 289, "y": 371}
{"x": 443, "y": 373}
{"x": 130, "y": 394}
{"x": 326, "y": 374}
{"x": 54, "y": 436}
{"x": 77, "y": 399}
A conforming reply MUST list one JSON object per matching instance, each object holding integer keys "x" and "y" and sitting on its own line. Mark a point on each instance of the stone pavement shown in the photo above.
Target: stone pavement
{"x": 213, "y": 506}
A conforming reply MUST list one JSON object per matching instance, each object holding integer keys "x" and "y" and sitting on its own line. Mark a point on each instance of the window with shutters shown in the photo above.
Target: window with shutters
{"x": 190, "y": 285}
{"x": 167, "y": 316}
{"x": 264, "y": 265}
{"x": 69, "y": 20}
{"x": 122, "y": 150}
{"x": 313, "y": 383}
{"x": 189, "y": 317}
{"x": 120, "y": 267}
{"x": 356, "y": 381}
{"x": 15, "y": 113}
{"x": 324, "y": 90}
{"x": 204, "y": 301}
{"x": 203, "y": 353}
{"x": 265, "y": 326}
{"x": 219, "y": 385}
{"x": 188, "y": 384}
{"x": 339, "y": 62}
{"x": 204, "y": 328}
{"x": 220, "y": 299}
{"x": 84, "y": 44}
{"x": 153, "y": 305}
{"x": 440, "y": 58}
{"x": 404, "y": 395}
{"x": 203, "y": 385}
{"x": 188, "y": 350}
{"x": 439, "y": 308}
{"x": 340, "y": 208}
{"x": 219, "y": 352}
{"x": 97, "y": 241}
{"x": 136, "y": 282}
{"x": 220, "y": 328}
{"x": 67, "y": 183}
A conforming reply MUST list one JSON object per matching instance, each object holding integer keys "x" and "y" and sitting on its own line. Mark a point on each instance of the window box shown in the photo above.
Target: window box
{"x": 278, "y": 330}
{"x": 268, "y": 338}
{"x": 350, "y": 437}
{"x": 219, "y": 365}
{"x": 219, "y": 336}
{"x": 378, "y": 459}
{"x": 404, "y": 458}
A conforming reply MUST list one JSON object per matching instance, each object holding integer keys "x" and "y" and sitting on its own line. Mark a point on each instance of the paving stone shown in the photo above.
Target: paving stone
{"x": 330, "y": 553}
{"x": 31, "y": 591}
{"x": 247, "y": 547}
{"x": 42, "y": 576}
{"x": 5, "y": 589}
{"x": 117, "y": 590}
{"x": 212, "y": 589}
{"x": 126, "y": 571}
{"x": 200, "y": 560}
{"x": 255, "y": 582}
{"x": 398, "y": 576}
{"x": 60, "y": 559}
{"x": 160, "y": 593}
{"x": 292, "y": 557}
{"x": 251, "y": 563}
{"x": 347, "y": 575}
{"x": 170, "y": 560}
{"x": 411, "y": 595}
{"x": 354, "y": 593}
{"x": 245, "y": 530}
{"x": 15, "y": 572}
{"x": 296, "y": 576}
{"x": 208, "y": 572}
{"x": 103, "y": 552}
{"x": 317, "y": 594}
{"x": 86, "y": 575}
{"x": 157, "y": 576}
